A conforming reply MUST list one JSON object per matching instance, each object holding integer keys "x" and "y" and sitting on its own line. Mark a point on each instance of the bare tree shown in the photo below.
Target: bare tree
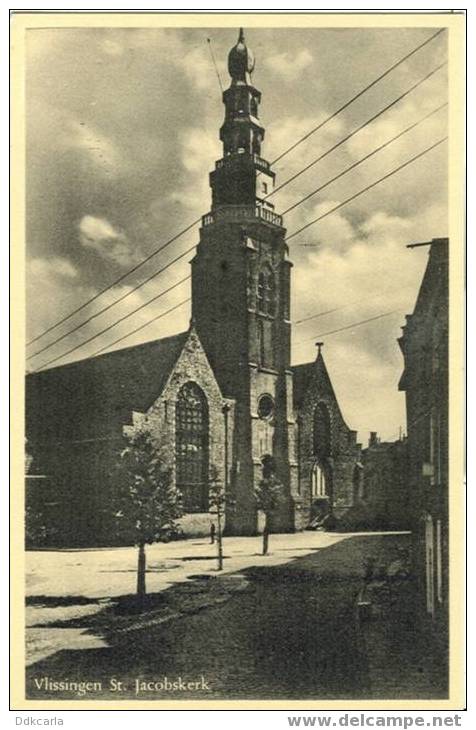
{"x": 217, "y": 502}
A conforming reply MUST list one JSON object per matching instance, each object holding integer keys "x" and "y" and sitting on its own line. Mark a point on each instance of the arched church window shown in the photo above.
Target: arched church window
{"x": 191, "y": 447}
{"x": 321, "y": 432}
{"x": 266, "y": 294}
{"x": 318, "y": 481}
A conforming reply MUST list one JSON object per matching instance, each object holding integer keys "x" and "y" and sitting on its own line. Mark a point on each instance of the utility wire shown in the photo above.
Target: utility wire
{"x": 355, "y": 131}
{"x": 104, "y": 309}
{"x": 295, "y": 205}
{"x": 106, "y": 329}
{"x": 349, "y": 326}
{"x": 354, "y": 98}
{"x": 121, "y": 278}
{"x": 337, "y": 207}
{"x": 370, "y": 154}
{"x": 142, "y": 326}
{"x": 195, "y": 222}
{"x": 369, "y": 187}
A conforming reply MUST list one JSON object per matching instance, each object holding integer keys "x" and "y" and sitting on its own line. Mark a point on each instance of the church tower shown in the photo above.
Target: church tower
{"x": 241, "y": 302}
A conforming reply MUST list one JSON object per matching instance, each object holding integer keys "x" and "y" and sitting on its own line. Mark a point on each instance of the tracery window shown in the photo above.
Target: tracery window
{"x": 266, "y": 295}
{"x": 321, "y": 432}
{"x": 191, "y": 447}
{"x": 318, "y": 481}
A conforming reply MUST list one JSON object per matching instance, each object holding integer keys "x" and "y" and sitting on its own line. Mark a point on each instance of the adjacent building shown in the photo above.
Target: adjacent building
{"x": 424, "y": 344}
{"x": 383, "y": 501}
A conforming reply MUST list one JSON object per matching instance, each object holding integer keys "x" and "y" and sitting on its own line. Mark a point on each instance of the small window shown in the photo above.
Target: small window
{"x": 265, "y": 406}
{"x": 264, "y": 186}
{"x": 266, "y": 292}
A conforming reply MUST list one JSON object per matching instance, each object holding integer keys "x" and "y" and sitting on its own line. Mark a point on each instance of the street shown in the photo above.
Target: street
{"x": 281, "y": 626}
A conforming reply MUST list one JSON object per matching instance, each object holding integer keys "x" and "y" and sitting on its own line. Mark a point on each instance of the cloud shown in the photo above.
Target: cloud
{"x": 112, "y": 48}
{"x": 55, "y": 266}
{"x": 97, "y": 146}
{"x": 169, "y": 324}
{"x": 197, "y": 66}
{"x": 110, "y": 244}
{"x": 372, "y": 275}
{"x": 290, "y": 66}
{"x": 198, "y": 150}
{"x": 51, "y": 294}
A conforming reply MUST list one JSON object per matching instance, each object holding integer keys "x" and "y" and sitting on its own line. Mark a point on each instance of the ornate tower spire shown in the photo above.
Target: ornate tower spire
{"x": 241, "y": 62}
{"x": 242, "y": 176}
{"x": 241, "y": 131}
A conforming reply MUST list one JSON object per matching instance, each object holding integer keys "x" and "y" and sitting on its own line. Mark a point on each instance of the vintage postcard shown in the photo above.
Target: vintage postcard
{"x": 238, "y": 255}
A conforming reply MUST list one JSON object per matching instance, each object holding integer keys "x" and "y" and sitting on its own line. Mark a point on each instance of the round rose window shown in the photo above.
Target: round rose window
{"x": 265, "y": 406}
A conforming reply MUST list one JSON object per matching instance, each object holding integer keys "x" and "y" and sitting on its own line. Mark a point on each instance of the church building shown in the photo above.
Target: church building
{"x": 224, "y": 393}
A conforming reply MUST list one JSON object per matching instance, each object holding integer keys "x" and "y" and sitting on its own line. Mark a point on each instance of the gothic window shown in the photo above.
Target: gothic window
{"x": 321, "y": 432}
{"x": 191, "y": 447}
{"x": 261, "y": 343}
{"x": 318, "y": 481}
{"x": 266, "y": 292}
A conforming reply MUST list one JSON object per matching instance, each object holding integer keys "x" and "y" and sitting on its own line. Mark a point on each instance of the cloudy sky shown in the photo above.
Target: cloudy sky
{"x": 123, "y": 131}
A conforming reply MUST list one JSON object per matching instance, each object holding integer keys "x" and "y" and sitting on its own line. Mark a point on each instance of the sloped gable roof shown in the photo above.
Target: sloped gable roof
{"x": 303, "y": 375}
{"x": 96, "y": 395}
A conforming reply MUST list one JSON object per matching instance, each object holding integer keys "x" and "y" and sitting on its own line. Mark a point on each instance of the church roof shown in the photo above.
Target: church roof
{"x": 95, "y": 395}
{"x": 302, "y": 376}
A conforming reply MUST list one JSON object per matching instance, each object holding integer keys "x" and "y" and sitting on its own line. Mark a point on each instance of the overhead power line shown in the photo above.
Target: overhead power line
{"x": 195, "y": 222}
{"x": 101, "y": 311}
{"x": 368, "y": 187}
{"x": 337, "y": 207}
{"x": 366, "y": 157}
{"x": 356, "y": 96}
{"x": 106, "y": 329}
{"x": 348, "y": 326}
{"x": 295, "y": 205}
{"x": 355, "y": 131}
{"x": 121, "y": 278}
{"x": 142, "y": 326}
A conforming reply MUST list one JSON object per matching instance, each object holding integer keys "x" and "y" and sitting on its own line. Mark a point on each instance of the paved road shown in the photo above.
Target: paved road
{"x": 292, "y": 633}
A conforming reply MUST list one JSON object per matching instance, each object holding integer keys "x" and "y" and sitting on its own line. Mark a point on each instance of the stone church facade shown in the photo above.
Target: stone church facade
{"x": 222, "y": 393}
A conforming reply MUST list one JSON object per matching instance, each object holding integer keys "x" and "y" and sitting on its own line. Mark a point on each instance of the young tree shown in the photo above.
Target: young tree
{"x": 147, "y": 504}
{"x": 217, "y": 501}
{"x": 268, "y": 495}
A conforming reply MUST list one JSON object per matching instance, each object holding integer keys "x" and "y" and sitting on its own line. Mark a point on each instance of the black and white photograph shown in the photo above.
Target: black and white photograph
{"x": 240, "y": 340}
